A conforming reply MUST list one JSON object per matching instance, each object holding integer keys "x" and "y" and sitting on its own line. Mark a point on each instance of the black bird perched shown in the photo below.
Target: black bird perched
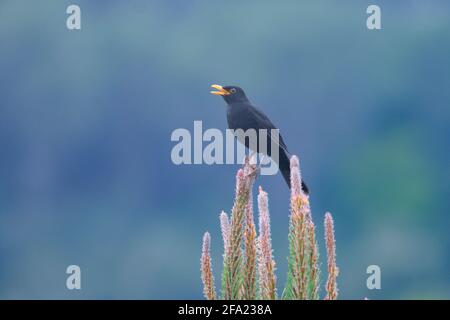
{"x": 241, "y": 114}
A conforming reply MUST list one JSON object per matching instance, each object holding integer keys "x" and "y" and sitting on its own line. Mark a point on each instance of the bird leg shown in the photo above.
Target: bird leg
{"x": 250, "y": 165}
{"x": 262, "y": 160}
{"x": 253, "y": 161}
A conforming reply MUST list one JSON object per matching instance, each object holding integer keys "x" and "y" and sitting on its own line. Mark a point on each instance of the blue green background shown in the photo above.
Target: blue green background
{"x": 86, "y": 116}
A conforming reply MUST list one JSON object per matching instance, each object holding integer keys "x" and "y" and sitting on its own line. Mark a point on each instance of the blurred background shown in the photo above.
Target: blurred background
{"x": 86, "y": 116}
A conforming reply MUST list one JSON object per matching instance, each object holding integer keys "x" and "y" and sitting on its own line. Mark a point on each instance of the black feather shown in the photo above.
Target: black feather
{"x": 241, "y": 114}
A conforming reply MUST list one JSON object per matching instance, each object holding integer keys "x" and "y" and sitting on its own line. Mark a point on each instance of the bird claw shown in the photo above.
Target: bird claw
{"x": 255, "y": 171}
{"x": 253, "y": 158}
{"x": 250, "y": 169}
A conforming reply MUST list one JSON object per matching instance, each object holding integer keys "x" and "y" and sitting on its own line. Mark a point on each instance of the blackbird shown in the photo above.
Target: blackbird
{"x": 241, "y": 114}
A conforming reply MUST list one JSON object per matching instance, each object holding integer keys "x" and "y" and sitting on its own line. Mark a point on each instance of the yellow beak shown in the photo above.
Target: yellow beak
{"x": 220, "y": 90}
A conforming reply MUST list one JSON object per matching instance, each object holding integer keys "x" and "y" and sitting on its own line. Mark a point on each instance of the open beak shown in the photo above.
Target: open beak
{"x": 220, "y": 90}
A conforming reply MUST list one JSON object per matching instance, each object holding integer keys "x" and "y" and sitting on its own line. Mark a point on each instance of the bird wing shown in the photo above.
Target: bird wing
{"x": 267, "y": 124}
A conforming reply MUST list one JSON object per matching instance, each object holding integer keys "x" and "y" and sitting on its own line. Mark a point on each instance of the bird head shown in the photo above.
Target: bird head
{"x": 231, "y": 94}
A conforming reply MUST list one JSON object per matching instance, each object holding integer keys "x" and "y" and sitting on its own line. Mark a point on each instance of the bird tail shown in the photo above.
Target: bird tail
{"x": 285, "y": 168}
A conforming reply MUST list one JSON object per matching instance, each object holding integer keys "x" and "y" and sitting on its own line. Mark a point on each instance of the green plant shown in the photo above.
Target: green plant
{"x": 248, "y": 264}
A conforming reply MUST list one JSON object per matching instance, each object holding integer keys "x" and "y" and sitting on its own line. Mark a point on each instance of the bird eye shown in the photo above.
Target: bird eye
{"x": 233, "y": 90}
